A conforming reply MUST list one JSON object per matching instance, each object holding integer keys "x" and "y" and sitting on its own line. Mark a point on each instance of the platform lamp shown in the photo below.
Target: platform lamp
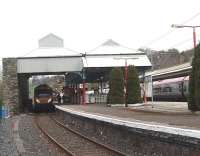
{"x": 188, "y": 26}
{"x": 126, "y": 74}
{"x": 84, "y": 78}
{"x": 152, "y": 68}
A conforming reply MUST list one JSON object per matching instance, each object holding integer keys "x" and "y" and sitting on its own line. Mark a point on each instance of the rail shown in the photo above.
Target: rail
{"x": 67, "y": 151}
{"x": 85, "y": 137}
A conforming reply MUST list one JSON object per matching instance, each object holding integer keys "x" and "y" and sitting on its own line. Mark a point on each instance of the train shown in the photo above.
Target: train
{"x": 173, "y": 89}
{"x": 43, "y": 98}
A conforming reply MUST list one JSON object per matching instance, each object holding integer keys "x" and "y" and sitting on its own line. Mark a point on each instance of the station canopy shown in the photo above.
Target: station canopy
{"x": 52, "y": 57}
{"x": 99, "y": 61}
{"x": 112, "y": 54}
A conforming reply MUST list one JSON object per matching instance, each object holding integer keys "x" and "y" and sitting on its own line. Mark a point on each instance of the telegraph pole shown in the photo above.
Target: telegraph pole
{"x": 188, "y": 26}
{"x": 151, "y": 77}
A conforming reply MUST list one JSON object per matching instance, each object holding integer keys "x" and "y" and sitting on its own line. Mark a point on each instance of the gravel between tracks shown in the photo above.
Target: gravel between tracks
{"x": 7, "y": 146}
{"x": 33, "y": 141}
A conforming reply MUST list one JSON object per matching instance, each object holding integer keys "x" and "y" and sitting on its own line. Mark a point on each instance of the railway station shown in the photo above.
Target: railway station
{"x": 114, "y": 78}
{"x": 79, "y": 128}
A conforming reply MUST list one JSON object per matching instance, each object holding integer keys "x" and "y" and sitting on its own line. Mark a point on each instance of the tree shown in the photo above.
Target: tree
{"x": 194, "y": 82}
{"x": 173, "y": 50}
{"x": 133, "y": 86}
{"x": 116, "y": 85}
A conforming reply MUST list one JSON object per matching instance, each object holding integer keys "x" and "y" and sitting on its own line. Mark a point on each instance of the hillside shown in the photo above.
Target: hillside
{"x": 172, "y": 57}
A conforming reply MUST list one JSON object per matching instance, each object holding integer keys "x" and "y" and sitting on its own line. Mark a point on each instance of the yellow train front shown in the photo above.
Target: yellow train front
{"x": 43, "y": 98}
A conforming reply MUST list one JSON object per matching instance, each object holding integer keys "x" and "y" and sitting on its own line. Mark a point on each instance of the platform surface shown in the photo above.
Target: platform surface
{"x": 163, "y": 107}
{"x": 183, "y": 123}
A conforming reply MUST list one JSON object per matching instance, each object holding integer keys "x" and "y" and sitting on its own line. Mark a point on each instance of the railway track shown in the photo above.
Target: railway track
{"x": 70, "y": 141}
{"x": 63, "y": 150}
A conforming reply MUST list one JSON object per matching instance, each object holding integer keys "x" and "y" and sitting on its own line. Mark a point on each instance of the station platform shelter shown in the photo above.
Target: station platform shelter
{"x": 51, "y": 58}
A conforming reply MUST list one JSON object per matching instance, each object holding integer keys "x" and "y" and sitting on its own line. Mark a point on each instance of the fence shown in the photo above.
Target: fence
{"x": 101, "y": 98}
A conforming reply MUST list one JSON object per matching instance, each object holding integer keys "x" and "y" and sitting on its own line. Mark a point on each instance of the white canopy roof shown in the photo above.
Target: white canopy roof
{"x": 52, "y": 52}
{"x": 51, "y": 46}
{"x": 56, "y": 58}
{"x": 115, "y": 61}
{"x": 112, "y": 47}
{"x": 173, "y": 69}
{"x": 112, "y": 54}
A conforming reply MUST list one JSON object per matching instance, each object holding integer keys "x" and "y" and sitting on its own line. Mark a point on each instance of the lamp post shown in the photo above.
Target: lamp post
{"x": 126, "y": 75}
{"x": 188, "y": 26}
{"x": 84, "y": 94}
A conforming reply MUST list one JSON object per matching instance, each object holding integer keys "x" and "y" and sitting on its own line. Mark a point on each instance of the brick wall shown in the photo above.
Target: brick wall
{"x": 10, "y": 84}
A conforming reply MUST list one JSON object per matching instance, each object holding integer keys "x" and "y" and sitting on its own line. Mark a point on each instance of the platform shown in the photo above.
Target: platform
{"x": 131, "y": 130}
{"x": 170, "y": 108}
{"x": 185, "y": 124}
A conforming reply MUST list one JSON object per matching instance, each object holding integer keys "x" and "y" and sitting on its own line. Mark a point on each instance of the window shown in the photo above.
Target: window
{"x": 180, "y": 86}
{"x": 167, "y": 89}
{"x": 157, "y": 90}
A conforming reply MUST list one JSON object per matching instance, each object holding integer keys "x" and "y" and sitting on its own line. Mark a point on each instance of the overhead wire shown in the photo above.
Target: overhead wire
{"x": 170, "y": 31}
{"x": 189, "y": 39}
{"x": 181, "y": 43}
{"x": 148, "y": 44}
{"x": 191, "y": 18}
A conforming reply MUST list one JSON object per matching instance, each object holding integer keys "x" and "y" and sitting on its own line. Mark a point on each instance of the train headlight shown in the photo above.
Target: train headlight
{"x": 37, "y": 100}
{"x": 49, "y": 100}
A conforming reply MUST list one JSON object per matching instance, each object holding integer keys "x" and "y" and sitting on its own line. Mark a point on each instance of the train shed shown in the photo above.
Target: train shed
{"x": 51, "y": 58}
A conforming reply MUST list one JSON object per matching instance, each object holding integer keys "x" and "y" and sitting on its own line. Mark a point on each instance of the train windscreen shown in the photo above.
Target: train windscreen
{"x": 42, "y": 95}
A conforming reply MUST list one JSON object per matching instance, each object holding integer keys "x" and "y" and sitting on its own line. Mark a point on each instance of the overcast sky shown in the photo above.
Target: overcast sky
{"x": 85, "y": 24}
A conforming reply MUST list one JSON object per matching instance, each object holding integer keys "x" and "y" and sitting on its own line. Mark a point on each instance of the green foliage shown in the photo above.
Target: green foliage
{"x": 133, "y": 86}
{"x": 15, "y": 110}
{"x": 194, "y": 82}
{"x": 116, "y": 84}
{"x": 191, "y": 101}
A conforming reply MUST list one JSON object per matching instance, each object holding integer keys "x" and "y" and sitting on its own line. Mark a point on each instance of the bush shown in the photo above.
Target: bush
{"x": 116, "y": 85}
{"x": 133, "y": 86}
{"x": 194, "y": 82}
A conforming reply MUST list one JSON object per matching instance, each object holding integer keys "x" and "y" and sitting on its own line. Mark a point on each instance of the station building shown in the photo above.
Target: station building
{"x": 52, "y": 58}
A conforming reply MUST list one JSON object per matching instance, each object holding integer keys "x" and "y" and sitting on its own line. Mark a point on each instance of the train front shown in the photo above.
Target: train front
{"x": 43, "y": 98}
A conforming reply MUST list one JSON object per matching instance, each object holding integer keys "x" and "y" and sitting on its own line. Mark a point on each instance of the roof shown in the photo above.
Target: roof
{"x": 173, "y": 69}
{"x": 115, "y": 60}
{"x": 112, "y": 47}
{"x": 109, "y": 54}
{"x": 167, "y": 81}
{"x": 52, "y": 52}
{"x": 51, "y": 46}
{"x": 50, "y": 40}
{"x": 113, "y": 54}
